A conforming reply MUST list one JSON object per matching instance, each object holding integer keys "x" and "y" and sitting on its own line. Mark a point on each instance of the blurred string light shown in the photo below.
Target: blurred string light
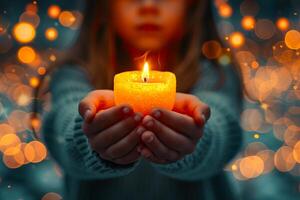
{"x": 26, "y": 54}
{"x": 264, "y": 29}
{"x": 292, "y": 39}
{"x": 41, "y": 71}
{"x": 51, "y": 34}
{"x": 284, "y": 159}
{"x": 283, "y": 24}
{"x": 225, "y": 10}
{"x": 24, "y": 32}
{"x": 270, "y": 84}
{"x": 19, "y": 81}
{"x": 34, "y": 82}
{"x": 236, "y": 39}
{"x": 35, "y": 151}
{"x": 67, "y": 18}
{"x": 54, "y": 11}
{"x": 30, "y": 17}
{"x": 51, "y": 196}
{"x": 268, "y": 54}
{"x": 248, "y": 22}
{"x": 296, "y": 152}
{"x": 212, "y": 49}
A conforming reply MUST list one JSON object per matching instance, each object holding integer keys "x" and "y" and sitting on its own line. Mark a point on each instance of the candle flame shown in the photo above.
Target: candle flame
{"x": 145, "y": 74}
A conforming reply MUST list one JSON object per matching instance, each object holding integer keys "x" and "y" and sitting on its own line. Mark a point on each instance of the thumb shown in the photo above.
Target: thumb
{"x": 97, "y": 99}
{"x": 201, "y": 114}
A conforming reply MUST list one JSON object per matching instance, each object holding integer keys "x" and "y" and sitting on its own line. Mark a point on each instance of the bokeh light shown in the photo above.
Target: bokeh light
{"x": 19, "y": 120}
{"x": 264, "y": 29}
{"x": 249, "y": 7}
{"x": 236, "y": 39}
{"x": 52, "y": 196}
{"x": 54, "y": 11}
{"x": 31, "y": 18}
{"x": 41, "y": 70}
{"x": 251, "y": 166}
{"x": 265, "y": 48}
{"x": 9, "y": 140}
{"x": 51, "y": 34}
{"x": 67, "y": 18}
{"x": 225, "y": 10}
{"x": 14, "y": 161}
{"x": 268, "y": 158}
{"x": 32, "y": 8}
{"x": 26, "y": 54}
{"x": 292, "y": 39}
{"x": 24, "y": 32}
{"x": 212, "y": 49}
{"x": 283, "y": 24}
{"x": 22, "y": 94}
{"x": 283, "y": 159}
{"x": 248, "y": 23}
{"x": 296, "y": 152}
{"x": 34, "y": 82}
{"x": 35, "y": 151}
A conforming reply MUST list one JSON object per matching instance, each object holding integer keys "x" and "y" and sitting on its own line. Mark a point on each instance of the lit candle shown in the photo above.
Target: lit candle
{"x": 145, "y": 90}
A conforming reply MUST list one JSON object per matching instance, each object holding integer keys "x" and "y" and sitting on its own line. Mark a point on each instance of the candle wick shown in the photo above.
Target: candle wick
{"x": 145, "y": 79}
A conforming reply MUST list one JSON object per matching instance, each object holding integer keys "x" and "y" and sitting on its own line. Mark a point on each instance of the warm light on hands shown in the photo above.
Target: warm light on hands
{"x": 171, "y": 135}
{"x": 119, "y": 135}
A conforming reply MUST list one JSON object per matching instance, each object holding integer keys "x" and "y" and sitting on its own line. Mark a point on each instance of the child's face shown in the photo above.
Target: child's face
{"x": 149, "y": 24}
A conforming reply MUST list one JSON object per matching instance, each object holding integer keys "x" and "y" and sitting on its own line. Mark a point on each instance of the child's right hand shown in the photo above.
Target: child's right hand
{"x": 113, "y": 131}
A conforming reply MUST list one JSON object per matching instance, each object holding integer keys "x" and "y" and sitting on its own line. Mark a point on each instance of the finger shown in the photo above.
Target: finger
{"x": 159, "y": 149}
{"x": 106, "y": 118}
{"x": 191, "y": 105}
{"x": 129, "y": 158}
{"x": 169, "y": 137}
{"x": 125, "y": 145}
{"x": 201, "y": 114}
{"x": 184, "y": 124}
{"x": 95, "y": 100}
{"x": 100, "y": 142}
{"x": 148, "y": 155}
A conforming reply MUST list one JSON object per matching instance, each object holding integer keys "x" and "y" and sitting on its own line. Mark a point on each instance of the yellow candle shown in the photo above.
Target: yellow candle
{"x": 145, "y": 90}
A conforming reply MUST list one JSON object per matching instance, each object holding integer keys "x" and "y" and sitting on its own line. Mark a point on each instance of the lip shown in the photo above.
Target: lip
{"x": 148, "y": 27}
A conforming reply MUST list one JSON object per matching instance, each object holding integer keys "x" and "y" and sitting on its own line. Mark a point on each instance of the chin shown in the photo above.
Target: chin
{"x": 149, "y": 45}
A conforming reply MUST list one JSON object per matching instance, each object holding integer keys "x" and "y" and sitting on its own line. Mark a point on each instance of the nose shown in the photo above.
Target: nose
{"x": 148, "y": 7}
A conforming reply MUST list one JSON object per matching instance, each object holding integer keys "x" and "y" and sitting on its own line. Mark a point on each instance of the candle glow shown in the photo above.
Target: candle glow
{"x": 145, "y": 90}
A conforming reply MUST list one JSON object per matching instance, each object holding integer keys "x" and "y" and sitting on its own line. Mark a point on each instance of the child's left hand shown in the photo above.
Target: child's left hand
{"x": 171, "y": 135}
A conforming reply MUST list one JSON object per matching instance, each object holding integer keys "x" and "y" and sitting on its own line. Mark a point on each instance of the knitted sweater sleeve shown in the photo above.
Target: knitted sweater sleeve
{"x": 62, "y": 132}
{"x": 222, "y": 137}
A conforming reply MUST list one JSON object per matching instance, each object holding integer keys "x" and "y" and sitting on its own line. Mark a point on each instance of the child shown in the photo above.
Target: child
{"x": 110, "y": 152}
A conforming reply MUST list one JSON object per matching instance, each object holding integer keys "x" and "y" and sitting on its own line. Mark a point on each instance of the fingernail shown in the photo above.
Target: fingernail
{"x": 126, "y": 110}
{"x": 139, "y": 130}
{"x": 157, "y": 114}
{"x": 137, "y": 118}
{"x": 149, "y": 124}
{"x": 150, "y": 139}
{"x": 87, "y": 114}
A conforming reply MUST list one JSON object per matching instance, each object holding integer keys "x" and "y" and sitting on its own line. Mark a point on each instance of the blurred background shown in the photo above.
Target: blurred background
{"x": 261, "y": 36}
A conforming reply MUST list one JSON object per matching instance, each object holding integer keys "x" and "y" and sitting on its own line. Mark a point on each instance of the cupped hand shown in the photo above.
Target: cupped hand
{"x": 170, "y": 135}
{"x": 112, "y": 131}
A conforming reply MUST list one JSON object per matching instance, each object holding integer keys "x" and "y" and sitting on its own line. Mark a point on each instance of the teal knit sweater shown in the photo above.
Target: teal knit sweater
{"x": 198, "y": 175}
